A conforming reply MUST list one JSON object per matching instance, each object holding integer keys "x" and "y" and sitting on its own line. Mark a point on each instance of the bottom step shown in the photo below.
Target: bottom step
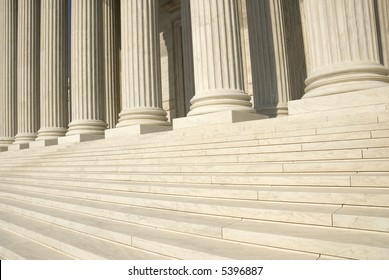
{"x": 16, "y": 247}
{"x": 84, "y": 241}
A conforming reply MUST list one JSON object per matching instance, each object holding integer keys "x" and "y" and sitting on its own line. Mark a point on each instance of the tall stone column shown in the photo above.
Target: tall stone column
{"x": 141, "y": 77}
{"x": 54, "y": 69}
{"x": 87, "y": 83}
{"x": 383, "y": 11}
{"x": 342, "y": 47}
{"x": 277, "y": 54}
{"x": 217, "y": 54}
{"x": 111, "y": 22}
{"x": 8, "y": 35}
{"x": 28, "y": 70}
{"x": 187, "y": 52}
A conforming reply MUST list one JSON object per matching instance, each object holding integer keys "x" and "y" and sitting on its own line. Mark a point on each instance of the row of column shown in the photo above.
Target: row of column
{"x": 342, "y": 47}
{"x": 340, "y": 42}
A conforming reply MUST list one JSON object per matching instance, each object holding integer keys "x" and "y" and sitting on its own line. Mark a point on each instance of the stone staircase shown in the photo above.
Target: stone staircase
{"x": 313, "y": 186}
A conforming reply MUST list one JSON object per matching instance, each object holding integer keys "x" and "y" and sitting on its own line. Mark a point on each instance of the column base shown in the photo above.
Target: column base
{"x": 6, "y": 141}
{"x": 352, "y": 100}
{"x": 78, "y": 138}
{"x": 343, "y": 79}
{"x": 220, "y": 100}
{"x": 51, "y": 133}
{"x": 223, "y": 117}
{"x": 21, "y": 138}
{"x": 93, "y": 127}
{"x": 43, "y": 143}
{"x": 142, "y": 116}
{"x": 137, "y": 129}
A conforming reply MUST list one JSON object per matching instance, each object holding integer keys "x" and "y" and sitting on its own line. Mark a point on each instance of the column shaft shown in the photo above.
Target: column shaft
{"x": 342, "y": 47}
{"x": 187, "y": 51}
{"x": 8, "y": 64}
{"x": 28, "y": 70}
{"x": 111, "y": 22}
{"x": 141, "y": 77}
{"x": 277, "y": 54}
{"x": 217, "y": 54}
{"x": 87, "y": 83}
{"x": 54, "y": 69}
{"x": 383, "y": 10}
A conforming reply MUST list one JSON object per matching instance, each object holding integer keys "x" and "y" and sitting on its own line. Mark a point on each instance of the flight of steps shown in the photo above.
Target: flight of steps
{"x": 300, "y": 187}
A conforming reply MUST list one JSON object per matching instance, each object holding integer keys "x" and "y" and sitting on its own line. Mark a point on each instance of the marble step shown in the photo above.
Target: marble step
{"x": 269, "y": 126}
{"x": 335, "y": 196}
{"x": 199, "y": 149}
{"x": 197, "y": 224}
{"x": 293, "y": 125}
{"x": 366, "y": 196}
{"x": 359, "y": 244}
{"x": 87, "y": 202}
{"x": 338, "y": 166}
{"x": 17, "y": 247}
{"x": 379, "y": 133}
{"x": 318, "y": 146}
{"x": 318, "y": 179}
{"x": 332, "y": 195}
{"x": 345, "y": 243}
{"x": 261, "y": 127}
{"x": 139, "y": 239}
{"x": 238, "y": 147}
{"x": 266, "y": 128}
{"x": 370, "y": 143}
{"x": 34, "y": 151}
{"x": 216, "y": 191}
{"x": 189, "y": 141}
{"x": 370, "y": 122}
{"x": 311, "y": 179}
{"x": 231, "y": 141}
{"x": 312, "y": 151}
{"x": 341, "y": 113}
{"x": 369, "y": 218}
{"x": 225, "y": 142}
{"x": 360, "y": 217}
{"x": 365, "y": 165}
{"x": 339, "y": 179}
{"x": 198, "y": 159}
{"x": 69, "y": 242}
{"x": 353, "y": 128}
{"x": 313, "y": 239}
{"x": 343, "y": 154}
{"x": 375, "y": 153}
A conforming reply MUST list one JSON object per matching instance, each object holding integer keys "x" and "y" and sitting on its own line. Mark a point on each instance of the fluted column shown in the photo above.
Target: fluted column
{"x": 217, "y": 54}
{"x": 342, "y": 47}
{"x": 277, "y": 54}
{"x": 8, "y": 44}
{"x": 187, "y": 52}
{"x": 383, "y": 10}
{"x": 54, "y": 67}
{"x": 141, "y": 77}
{"x": 28, "y": 70}
{"x": 111, "y": 22}
{"x": 87, "y": 83}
